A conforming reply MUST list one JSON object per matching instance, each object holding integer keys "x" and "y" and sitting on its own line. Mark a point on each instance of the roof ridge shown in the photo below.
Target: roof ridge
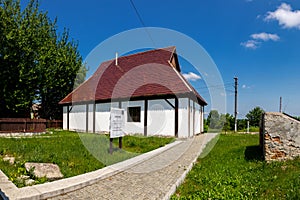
{"x": 138, "y": 53}
{"x": 144, "y": 52}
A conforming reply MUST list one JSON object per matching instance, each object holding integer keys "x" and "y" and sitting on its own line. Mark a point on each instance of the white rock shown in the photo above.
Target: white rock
{"x": 48, "y": 170}
{"x": 10, "y": 159}
{"x": 29, "y": 182}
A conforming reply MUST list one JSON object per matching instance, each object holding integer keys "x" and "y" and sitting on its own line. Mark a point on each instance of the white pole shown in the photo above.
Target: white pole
{"x": 248, "y": 126}
{"x": 116, "y": 59}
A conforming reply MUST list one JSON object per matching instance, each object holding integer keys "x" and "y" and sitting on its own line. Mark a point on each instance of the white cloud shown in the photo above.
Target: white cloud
{"x": 246, "y": 86}
{"x": 258, "y": 38}
{"x": 191, "y": 76}
{"x": 285, "y": 16}
{"x": 265, "y": 36}
{"x": 250, "y": 44}
{"x": 223, "y": 94}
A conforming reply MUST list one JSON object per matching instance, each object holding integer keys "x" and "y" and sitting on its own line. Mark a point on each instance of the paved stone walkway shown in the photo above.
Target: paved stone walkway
{"x": 155, "y": 178}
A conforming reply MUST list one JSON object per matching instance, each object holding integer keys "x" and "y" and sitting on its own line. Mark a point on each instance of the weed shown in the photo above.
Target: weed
{"x": 67, "y": 150}
{"x": 234, "y": 169}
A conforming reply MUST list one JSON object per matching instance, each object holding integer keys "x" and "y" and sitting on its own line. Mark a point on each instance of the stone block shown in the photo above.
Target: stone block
{"x": 9, "y": 159}
{"x": 48, "y": 170}
{"x": 280, "y": 135}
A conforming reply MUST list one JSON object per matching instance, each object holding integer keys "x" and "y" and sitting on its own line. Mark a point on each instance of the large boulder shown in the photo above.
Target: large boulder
{"x": 48, "y": 170}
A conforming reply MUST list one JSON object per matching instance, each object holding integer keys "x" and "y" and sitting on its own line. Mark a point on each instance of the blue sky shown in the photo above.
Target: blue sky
{"x": 256, "y": 40}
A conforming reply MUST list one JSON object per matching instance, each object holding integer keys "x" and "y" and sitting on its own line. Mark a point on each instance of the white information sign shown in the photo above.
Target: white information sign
{"x": 117, "y": 122}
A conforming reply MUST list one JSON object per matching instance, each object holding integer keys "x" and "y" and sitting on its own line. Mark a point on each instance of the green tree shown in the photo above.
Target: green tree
{"x": 213, "y": 119}
{"x": 241, "y": 124}
{"x": 228, "y": 121}
{"x": 218, "y": 121}
{"x": 254, "y": 116}
{"x": 37, "y": 64}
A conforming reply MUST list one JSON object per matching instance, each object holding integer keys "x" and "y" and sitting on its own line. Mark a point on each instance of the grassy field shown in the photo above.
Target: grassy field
{"x": 234, "y": 169}
{"x": 74, "y": 153}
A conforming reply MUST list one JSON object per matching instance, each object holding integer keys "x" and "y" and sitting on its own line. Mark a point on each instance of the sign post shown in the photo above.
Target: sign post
{"x": 117, "y": 122}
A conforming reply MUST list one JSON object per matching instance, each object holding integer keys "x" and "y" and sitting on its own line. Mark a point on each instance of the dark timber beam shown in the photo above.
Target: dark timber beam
{"x": 194, "y": 118}
{"x": 170, "y": 103}
{"x": 189, "y": 117}
{"x": 94, "y": 118}
{"x": 176, "y": 117}
{"x": 145, "y": 116}
{"x": 87, "y": 118}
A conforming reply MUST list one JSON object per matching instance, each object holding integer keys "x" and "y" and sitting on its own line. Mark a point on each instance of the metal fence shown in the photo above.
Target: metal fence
{"x": 27, "y": 125}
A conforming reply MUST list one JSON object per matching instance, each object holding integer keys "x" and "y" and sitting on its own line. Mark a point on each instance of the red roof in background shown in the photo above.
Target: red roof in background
{"x": 144, "y": 74}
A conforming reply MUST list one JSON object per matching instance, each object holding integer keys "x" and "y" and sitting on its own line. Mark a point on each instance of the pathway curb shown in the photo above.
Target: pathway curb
{"x": 189, "y": 168}
{"x": 43, "y": 191}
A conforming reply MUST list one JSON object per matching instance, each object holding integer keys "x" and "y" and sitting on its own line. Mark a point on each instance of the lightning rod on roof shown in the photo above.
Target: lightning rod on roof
{"x": 116, "y": 59}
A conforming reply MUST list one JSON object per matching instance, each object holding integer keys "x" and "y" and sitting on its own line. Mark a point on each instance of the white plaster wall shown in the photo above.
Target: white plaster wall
{"x": 102, "y": 121}
{"x": 102, "y": 116}
{"x": 90, "y": 118}
{"x": 78, "y": 118}
{"x": 201, "y": 119}
{"x": 197, "y": 118}
{"x": 183, "y": 118}
{"x": 191, "y": 119}
{"x": 161, "y": 118}
{"x": 134, "y": 127}
{"x": 65, "y": 117}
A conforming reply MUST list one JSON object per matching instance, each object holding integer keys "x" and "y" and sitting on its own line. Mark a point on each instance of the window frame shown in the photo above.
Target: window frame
{"x": 134, "y": 114}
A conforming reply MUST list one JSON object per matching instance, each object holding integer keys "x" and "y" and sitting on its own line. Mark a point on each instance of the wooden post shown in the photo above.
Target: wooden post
{"x": 87, "y": 117}
{"x": 145, "y": 117}
{"x": 194, "y": 118}
{"x": 111, "y": 145}
{"x": 94, "y": 117}
{"x": 120, "y": 138}
{"x": 189, "y": 117}
{"x": 176, "y": 117}
{"x": 120, "y": 142}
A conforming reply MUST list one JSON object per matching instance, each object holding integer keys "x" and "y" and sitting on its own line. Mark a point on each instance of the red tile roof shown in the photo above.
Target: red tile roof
{"x": 147, "y": 74}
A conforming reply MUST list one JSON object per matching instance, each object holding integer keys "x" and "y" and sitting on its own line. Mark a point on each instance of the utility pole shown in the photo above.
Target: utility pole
{"x": 235, "y": 102}
{"x": 280, "y": 105}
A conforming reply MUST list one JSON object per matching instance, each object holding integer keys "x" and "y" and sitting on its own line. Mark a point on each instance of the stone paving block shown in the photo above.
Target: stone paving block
{"x": 153, "y": 178}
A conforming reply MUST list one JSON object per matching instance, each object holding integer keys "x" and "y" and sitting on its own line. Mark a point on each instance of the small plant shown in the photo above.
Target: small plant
{"x": 66, "y": 149}
{"x": 234, "y": 169}
{"x": 30, "y": 173}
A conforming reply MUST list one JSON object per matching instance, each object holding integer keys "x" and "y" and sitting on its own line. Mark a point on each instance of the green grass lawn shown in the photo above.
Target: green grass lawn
{"x": 234, "y": 169}
{"x": 74, "y": 153}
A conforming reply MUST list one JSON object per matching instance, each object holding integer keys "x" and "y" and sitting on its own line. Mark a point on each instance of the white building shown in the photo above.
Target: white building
{"x": 156, "y": 98}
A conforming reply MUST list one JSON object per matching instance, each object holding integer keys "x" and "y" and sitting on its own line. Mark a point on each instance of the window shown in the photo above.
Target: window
{"x": 134, "y": 114}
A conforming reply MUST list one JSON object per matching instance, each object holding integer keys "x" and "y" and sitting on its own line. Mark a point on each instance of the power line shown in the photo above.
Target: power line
{"x": 216, "y": 86}
{"x": 137, "y": 13}
{"x": 231, "y": 91}
{"x": 142, "y": 22}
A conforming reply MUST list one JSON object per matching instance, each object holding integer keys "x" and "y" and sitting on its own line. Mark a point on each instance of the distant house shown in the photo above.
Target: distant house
{"x": 156, "y": 98}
